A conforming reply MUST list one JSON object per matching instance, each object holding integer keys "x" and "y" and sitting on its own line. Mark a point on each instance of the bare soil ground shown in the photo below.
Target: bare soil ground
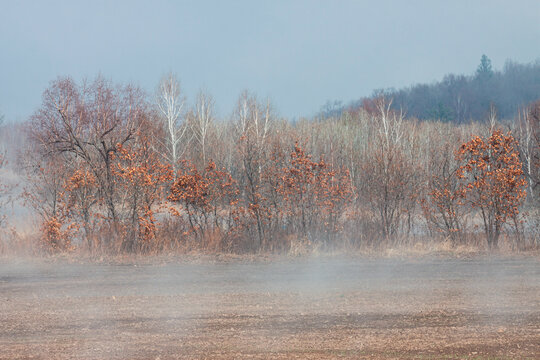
{"x": 319, "y": 308}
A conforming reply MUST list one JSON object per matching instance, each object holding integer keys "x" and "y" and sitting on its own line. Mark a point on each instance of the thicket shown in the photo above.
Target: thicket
{"x": 110, "y": 169}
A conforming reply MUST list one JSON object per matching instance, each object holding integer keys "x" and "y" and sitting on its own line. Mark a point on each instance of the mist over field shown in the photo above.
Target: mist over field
{"x": 301, "y": 179}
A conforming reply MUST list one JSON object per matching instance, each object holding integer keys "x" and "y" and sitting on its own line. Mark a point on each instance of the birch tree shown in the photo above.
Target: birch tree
{"x": 387, "y": 172}
{"x": 253, "y": 121}
{"x": 201, "y": 122}
{"x": 170, "y": 103}
{"x": 528, "y": 147}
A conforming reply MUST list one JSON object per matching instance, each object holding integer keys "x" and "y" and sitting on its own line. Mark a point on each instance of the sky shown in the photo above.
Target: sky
{"x": 297, "y": 53}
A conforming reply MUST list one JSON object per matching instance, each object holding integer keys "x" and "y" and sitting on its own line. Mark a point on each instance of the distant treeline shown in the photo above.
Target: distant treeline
{"x": 108, "y": 168}
{"x": 461, "y": 98}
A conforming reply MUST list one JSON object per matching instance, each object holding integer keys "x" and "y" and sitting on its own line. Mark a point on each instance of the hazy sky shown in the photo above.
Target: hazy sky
{"x": 298, "y": 53}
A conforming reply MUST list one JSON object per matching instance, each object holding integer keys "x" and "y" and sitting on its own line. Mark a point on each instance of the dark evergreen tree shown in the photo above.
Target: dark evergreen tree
{"x": 484, "y": 70}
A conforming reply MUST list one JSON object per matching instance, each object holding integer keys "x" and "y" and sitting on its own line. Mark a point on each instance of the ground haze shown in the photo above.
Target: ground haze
{"x": 478, "y": 308}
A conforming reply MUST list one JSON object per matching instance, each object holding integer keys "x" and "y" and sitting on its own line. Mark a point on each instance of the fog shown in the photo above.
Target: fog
{"x": 310, "y": 216}
{"x": 269, "y": 308}
{"x": 299, "y": 53}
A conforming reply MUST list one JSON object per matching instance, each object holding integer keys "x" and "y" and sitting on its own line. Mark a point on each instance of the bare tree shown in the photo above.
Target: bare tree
{"x": 44, "y": 194}
{"x": 170, "y": 102}
{"x": 201, "y": 122}
{"x": 442, "y": 203}
{"x": 90, "y": 122}
{"x": 389, "y": 122}
{"x": 525, "y": 127}
{"x": 253, "y": 122}
{"x": 388, "y": 174}
{"x": 492, "y": 119}
{"x": 4, "y": 188}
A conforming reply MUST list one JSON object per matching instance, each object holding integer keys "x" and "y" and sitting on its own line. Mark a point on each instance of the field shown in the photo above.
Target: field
{"x": 312, "y": 308}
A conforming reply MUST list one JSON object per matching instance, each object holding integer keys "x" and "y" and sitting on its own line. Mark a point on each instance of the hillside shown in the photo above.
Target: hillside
{"x": 461, "y": 98}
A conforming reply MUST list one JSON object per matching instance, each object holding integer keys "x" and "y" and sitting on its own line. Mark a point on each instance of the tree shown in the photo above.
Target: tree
{"x": 253, "y": 122}
{"x": 484, "y": 70}
{"x": 12, "y": 142}
{"x": 81, "y": 191}
{"x": 387, "y": 173}
{"x": 45, "y": 194}
{"x": 534, "y": 115}
{"x": 209, "y": 198}
{"x": 142, "y": 177}
{"x": 442, "y": 207}
{"x": 201, "y": 122}
{"x": 170, "y": 102}
{"x": 314, "y": 193}
{"x": 4, "y": 188}
{"x": 493, "y": 180}
{"x": 90, "y": 122}
{"x": 528, "y": 128}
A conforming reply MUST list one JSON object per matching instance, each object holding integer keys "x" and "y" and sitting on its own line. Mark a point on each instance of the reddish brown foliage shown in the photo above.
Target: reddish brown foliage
{"x": 95, "y": 175}
{"x": 493, "y": 180}
{"x": 143, "y": 178}
{"x": 314, "y": 192}
{"x": 209, "y": 199}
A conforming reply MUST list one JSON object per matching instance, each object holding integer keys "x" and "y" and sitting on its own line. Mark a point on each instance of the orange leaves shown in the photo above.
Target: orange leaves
{"x": 313, "y": 189}
{"x": 210, "y": 198}
{"x": 492, "y": 179}
{"x": 202, "y": 190}
{"x": 79, "y": 179}
{"x": 81, "y": 188}
{"x": 190, "y": 188}
{"x": 56, "y": 236}
{"x": 141, "y": 167}
{"x": 143, "y": 177}
{"x": 493, "y": 173}
{"x": 147, "y": 226}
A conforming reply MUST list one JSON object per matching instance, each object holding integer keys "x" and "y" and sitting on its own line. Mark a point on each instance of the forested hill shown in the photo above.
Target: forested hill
{"x": 461, "y": 98}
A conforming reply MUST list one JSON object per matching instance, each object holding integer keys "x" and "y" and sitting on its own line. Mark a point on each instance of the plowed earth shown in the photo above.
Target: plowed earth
{"x": 321, "y": 308}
